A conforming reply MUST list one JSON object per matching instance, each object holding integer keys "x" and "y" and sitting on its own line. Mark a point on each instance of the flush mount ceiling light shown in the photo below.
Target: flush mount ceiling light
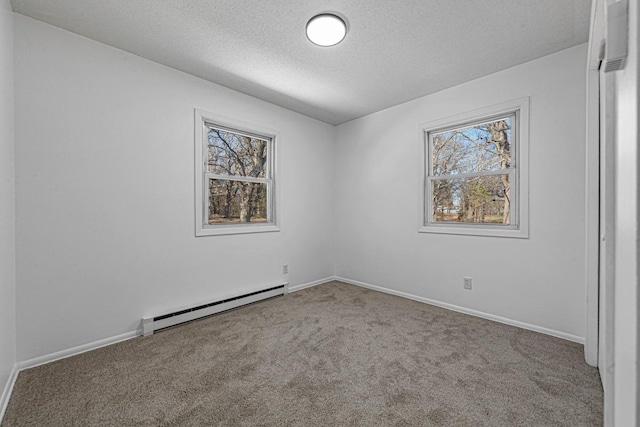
{"x": 326, "y": 29}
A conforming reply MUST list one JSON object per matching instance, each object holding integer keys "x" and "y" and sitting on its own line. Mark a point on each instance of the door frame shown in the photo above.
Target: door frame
{"x": 592, "y": 180}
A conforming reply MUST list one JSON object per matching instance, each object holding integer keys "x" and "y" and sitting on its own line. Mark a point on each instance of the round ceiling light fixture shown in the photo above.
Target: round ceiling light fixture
{"x": 326, "y": 29}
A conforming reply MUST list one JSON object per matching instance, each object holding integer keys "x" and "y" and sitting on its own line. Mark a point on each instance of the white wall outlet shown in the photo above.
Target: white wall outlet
{"x": 467, "y": 282}
{"x": 285, "y": 268}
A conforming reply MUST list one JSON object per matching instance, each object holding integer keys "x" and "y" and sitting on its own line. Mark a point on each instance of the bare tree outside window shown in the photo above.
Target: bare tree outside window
{"x": 237, "y": 177}
{"x": 471, "y": 171}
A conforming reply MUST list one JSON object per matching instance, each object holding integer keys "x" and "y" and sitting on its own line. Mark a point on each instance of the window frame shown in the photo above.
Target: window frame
{"x": 203, "y": 121}
{"x": 518, "y": 172}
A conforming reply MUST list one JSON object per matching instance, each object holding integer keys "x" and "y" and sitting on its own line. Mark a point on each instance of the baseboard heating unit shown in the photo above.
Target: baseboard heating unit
{"x": 165, "y": 320}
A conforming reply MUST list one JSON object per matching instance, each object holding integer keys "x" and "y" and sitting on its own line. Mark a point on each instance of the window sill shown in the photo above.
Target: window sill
{"x": 474, "y": 230}
{"x": 231, "y": 229}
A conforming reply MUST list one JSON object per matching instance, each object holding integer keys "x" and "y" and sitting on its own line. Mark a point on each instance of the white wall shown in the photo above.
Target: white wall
{"x": 540, "y": 280}
{"x": 105, "y": 193}
{"x": 627, "y": 237}
{"x": 104, "y": 169}
{"x": 7, "y": 199}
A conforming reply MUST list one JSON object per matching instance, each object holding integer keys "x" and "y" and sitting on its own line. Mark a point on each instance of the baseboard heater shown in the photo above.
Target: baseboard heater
{"x": 161, "y": 321}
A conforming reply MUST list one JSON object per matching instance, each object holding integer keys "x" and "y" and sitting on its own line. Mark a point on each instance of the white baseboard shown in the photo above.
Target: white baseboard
{"x": 41, "y": 360}
{"x": 62, "y": 354}
{"x": 47, "y": 358}
{"x": 8, "y": 389}
{"x": 464, "y": 310}
{"x": 311, "y": 284}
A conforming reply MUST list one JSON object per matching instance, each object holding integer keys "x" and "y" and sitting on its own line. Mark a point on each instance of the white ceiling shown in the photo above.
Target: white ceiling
{"x": 395, "y": 51}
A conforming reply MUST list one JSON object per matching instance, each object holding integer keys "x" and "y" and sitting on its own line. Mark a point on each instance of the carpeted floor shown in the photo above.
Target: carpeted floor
{"x": 332, "y": 355}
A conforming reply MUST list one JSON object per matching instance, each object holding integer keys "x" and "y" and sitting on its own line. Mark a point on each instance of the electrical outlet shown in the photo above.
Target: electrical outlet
{"x": 467, "y": 282}
{"x": 285, "y": 269}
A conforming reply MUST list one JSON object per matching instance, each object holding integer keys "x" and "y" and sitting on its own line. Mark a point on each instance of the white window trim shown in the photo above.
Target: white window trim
{"x": 201, "y": 118}
{"x": 521, "y": 161}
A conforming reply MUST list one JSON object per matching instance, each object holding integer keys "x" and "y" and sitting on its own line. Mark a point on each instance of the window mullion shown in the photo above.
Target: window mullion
{"x": 209, "y": 175}
{"x": 505, "y": 171}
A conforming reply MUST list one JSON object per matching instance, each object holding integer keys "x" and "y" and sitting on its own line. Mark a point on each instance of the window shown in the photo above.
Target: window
{"x": 475, "y": 173}
{"x": 234, "y": 177}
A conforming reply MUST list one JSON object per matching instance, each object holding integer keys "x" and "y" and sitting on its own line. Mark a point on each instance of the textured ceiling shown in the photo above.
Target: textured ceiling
{"x": 395, "y": 51}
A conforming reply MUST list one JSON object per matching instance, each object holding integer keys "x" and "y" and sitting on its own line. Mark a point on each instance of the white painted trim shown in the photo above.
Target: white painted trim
{"x": 8, "y": 389}
{"x": 47, "y": 358}
{"x": 228, "y": 229}
{"x": 63, "y": 354}
{"x": 311, "y": 284}
{"x": 464, "y": 310}
{"x": 592, "y": 189}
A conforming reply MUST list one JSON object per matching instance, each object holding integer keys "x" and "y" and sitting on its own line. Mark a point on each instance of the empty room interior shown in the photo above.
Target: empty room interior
{"x": 319, "y": 213}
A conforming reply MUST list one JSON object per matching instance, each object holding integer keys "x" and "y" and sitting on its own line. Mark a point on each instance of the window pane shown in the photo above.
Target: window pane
{"x": 482, "y": 199}
{"x": 236, "y": 201}
{"x": 477, "y": 148}
{"x": 230, "y": 153}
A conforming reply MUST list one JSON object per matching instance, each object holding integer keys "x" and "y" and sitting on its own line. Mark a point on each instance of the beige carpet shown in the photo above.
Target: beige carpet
{"x": 332, "y": 355}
